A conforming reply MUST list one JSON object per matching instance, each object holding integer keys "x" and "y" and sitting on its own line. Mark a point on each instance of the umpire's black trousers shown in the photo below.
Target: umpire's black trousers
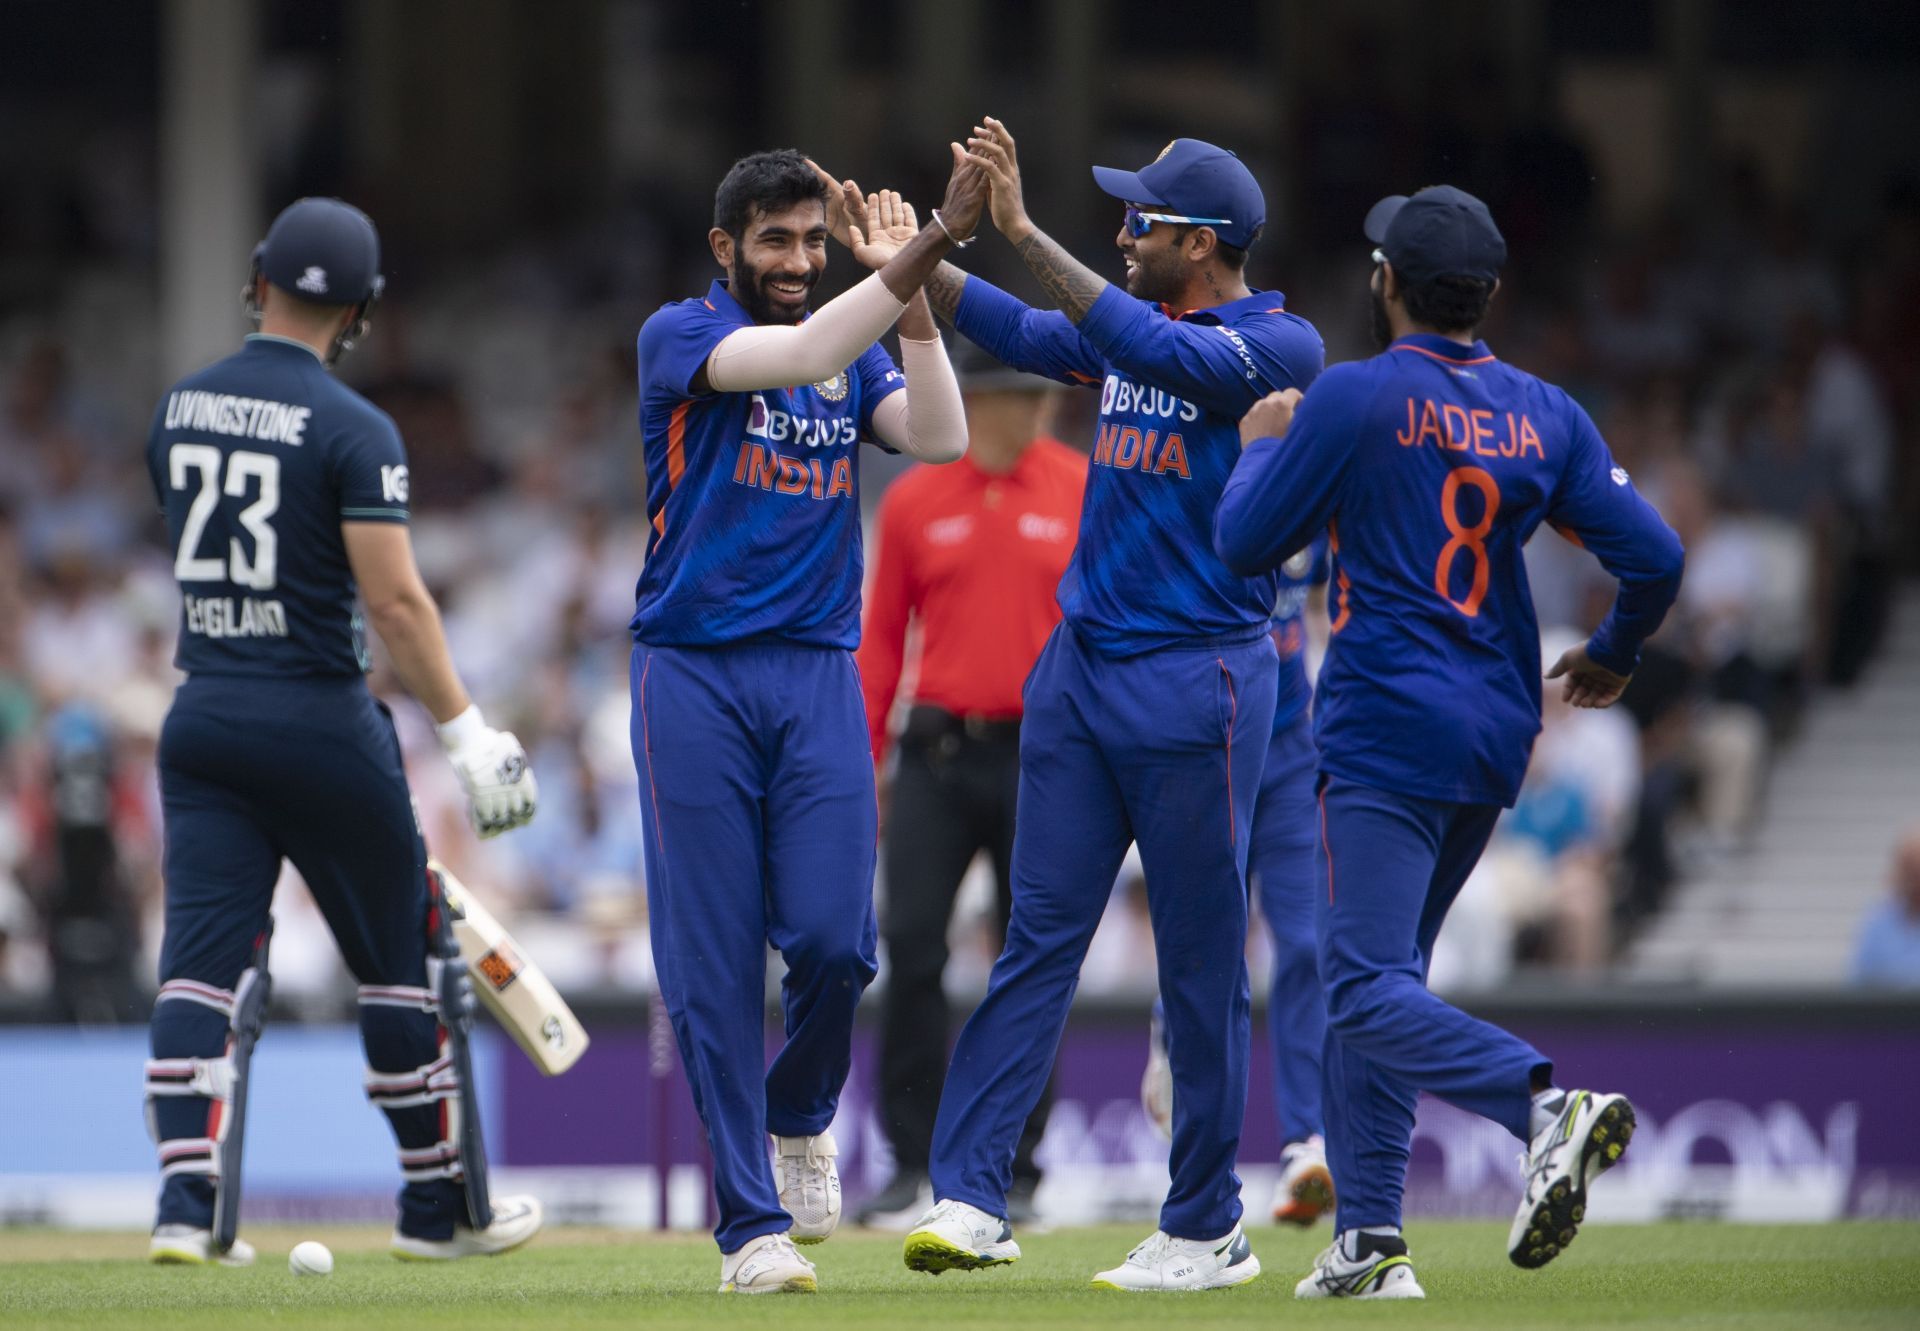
{"x": 953, "y": 796}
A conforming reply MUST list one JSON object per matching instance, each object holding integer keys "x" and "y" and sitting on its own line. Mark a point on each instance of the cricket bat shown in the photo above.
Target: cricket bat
{"x": 521, "y": 999}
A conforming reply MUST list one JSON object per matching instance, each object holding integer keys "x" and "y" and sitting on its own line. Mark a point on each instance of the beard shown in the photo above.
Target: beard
{"x": 1159, "y": 277}
{"x": 750, "y": 288}
{"x": 1378, "y": 326}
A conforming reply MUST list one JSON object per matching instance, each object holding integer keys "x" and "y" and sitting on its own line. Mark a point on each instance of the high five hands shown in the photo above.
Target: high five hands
{"x": 877, "y": 226}
{"x": 991, "y": 148}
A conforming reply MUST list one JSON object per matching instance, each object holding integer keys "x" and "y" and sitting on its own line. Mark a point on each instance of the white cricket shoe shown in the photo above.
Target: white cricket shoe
{"x": 954, "y": 1236}
{"x": 809, "y": 1185}
{"x": 1565, "y": 1157}
{"x": 1305, "y": 1190}
{"x": 515, "y": 1220}
{"x": 1163, "y": 1262}
{"x": 769, "y": 1264}
{"x": 1156, "y": 1083}
{"x": 183, "y": 1245}
{"x": 1383, "y": 1270}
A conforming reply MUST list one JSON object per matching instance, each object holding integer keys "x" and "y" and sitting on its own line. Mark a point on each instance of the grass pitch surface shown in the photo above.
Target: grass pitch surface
{"x": 1676, "y": 1275}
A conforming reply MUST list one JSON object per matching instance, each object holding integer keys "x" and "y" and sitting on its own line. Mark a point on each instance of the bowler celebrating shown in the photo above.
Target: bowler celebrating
{"x": 1430, "y": 466}
{"x": 1149, "y": 711}
{"x": 749, "y": 733}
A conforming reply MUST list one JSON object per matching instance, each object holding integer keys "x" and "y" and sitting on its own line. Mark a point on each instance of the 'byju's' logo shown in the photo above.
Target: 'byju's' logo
{"x": 313, "y": 280}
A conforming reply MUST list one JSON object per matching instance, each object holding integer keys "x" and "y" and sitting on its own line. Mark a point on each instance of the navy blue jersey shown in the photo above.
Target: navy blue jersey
{"x": 1431, "y": 465}
{"x": 257, "y": 460}
{"x": 754, "y": 497}
{"x": 1172, "y": 390}
{"x": 1298, "y": 576}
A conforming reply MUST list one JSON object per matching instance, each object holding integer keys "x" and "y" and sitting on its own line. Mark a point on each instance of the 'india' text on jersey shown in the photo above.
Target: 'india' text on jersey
{"x": 256, "y": 461}
{"x": 754, "y": 497}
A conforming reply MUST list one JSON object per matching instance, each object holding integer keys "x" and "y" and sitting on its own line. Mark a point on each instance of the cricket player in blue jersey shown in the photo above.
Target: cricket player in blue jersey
{"x": 1149, "y": 711}
{"x": 749, "y": 729}
{"x": 1280, "y": 866}
{"x": 1430, "y": 466}
{"x": 285, "y": 493}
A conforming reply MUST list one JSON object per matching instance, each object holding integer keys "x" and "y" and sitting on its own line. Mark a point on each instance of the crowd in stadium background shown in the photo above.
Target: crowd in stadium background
{"x": 1748, "y": 359}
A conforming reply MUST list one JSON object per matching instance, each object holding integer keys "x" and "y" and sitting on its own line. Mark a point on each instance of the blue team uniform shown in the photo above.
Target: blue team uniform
{"x": 1430, "y": 465}
{"x": 750, "y": 737}
{"x": 1280, "y": 863}
{"x": 274, "y": 748}
{"x": 1146, "y": 719}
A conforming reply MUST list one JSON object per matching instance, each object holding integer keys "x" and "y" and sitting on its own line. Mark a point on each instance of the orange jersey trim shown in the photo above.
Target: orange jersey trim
{"x": 1449, "y": 360}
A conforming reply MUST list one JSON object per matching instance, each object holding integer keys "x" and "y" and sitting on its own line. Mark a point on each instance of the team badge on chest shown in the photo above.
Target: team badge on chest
{"x": 834, "y": 389}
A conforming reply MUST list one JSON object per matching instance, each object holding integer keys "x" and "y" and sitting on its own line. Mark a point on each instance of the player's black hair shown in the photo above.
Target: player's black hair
{"x": 1233, "y": 256}
{"x": 762, "y": 183}
{"x": 1448, "y": 304}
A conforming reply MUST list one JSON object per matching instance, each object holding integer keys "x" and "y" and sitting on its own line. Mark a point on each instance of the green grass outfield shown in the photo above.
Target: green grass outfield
{"x": 1670, "y": 1275}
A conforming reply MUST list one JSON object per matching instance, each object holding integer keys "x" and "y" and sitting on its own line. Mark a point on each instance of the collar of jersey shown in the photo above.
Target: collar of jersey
{"x": 1434, "y": 346}
{"x": 274, "y": 339}
{"x": 721, "y": 300}
{"x": 1254, "y": 302}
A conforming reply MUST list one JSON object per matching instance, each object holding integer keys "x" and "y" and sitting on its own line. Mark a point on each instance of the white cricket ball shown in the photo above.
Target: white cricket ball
{"x": 310, "y": 1259}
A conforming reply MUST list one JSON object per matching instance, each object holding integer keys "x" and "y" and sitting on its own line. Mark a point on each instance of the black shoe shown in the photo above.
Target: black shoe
{"x": 1020, "y": 1207}
{"x": 902, "y": 1193}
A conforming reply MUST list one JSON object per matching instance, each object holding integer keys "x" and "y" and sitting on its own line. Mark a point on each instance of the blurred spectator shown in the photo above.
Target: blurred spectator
{"x": 1888, "y": 954}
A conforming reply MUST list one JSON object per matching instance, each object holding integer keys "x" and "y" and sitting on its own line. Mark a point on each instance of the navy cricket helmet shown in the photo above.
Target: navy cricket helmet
{"x": 324, "y": 251}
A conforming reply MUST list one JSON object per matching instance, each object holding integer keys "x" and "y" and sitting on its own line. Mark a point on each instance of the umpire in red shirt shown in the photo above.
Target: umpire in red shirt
{"x": 971, "y": 555}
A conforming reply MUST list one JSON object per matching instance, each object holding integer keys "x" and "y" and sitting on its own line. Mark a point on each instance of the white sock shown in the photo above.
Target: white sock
{"x": 1350, "y": 1239}
{"x": 1547, "y": 1106}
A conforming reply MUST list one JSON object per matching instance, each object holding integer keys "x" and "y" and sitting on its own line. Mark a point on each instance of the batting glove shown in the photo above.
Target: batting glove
{"x": 501, "y": 792}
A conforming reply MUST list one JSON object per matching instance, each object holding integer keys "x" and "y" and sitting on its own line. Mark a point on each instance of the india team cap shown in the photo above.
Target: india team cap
{"x": 1195, "y": 179}
{"x": 323, "y": 250}
{"x": 1439, "y": 232}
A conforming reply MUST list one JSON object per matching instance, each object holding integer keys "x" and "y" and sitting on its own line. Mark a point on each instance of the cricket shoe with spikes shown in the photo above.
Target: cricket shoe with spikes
{"x": 1164, "y": 1262}
{"x": 769, "y": 1264}
{"x": 515, "y": 1220}
{"x": 183, "y": 1245}
{"x": 1380, "y": 1269}
{"x": 809, "y": 1185}
{"x": 1588, "y": 1138}
{"x": 954, "y": 1236}
{"x": 1305, "y": 1190}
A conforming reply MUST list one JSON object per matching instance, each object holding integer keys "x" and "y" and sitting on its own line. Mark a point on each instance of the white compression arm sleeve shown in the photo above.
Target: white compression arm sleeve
{"x": 787, "y": 355}
{"x": 928, "y": 421}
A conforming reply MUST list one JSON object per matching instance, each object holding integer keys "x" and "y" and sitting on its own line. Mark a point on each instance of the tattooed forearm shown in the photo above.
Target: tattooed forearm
{"x": 943, "y": 290}
{"x": 1071, "y": 284}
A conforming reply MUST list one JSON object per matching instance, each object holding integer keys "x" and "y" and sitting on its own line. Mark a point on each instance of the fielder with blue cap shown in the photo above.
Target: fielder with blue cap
{"x": 1149, "y": 713}
{"x": 1430, "y": 466}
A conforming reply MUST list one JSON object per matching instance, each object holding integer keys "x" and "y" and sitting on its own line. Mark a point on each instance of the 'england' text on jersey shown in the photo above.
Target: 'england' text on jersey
{"x": 228, "y": 617}
{"x": 245, "y": 417}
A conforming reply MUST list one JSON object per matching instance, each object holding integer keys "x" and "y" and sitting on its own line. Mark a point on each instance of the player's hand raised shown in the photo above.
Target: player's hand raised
{"x": 1588, "y": 684}
{"x": 992, "y": 149}
{"x": 501, "y": 791}
{"x": 966, "y": 196}
{"x": 1269, "y": 417}
{"x": 880, "y": 225}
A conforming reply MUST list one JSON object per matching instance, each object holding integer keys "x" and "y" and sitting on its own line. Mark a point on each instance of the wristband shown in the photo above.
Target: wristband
{"x": 958, "y": 243}
{"x": 463, "y": 730}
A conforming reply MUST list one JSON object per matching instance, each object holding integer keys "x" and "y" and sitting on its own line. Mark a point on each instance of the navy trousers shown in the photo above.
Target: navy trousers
{"x": 1165, "y": 749}
{"x": 1389, "y": 867}
{"x": 756, "y": 788}
{"x": 1281, "y": 865}
{"x": 253, "y": 771}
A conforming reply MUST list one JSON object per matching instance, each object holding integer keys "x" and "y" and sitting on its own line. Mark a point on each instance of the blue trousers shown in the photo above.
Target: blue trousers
{"x": 1281, "y": 865}
{"x": 252, "y": 771}
{"x": 1164, "y": 749}
{"x": 756, "y": 789}
{"x": 1389, "y": 867}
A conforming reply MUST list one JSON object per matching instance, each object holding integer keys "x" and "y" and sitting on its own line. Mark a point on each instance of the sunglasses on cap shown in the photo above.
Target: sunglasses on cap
{"x": 1139, "y": 223}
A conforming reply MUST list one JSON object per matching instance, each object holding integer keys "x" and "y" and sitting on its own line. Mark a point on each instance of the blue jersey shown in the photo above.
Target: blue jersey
{"x": 1172, "y": 391}
{"x": 257, "y": 460}
{"x": 1298, "y": 576}
{"x": 1430, "y": 466}
{"x": 754, "y": 497}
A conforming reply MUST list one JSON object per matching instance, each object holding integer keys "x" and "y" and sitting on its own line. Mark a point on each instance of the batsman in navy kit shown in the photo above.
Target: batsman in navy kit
{"x": 1430, "y": 466}
{"x": 286, "y": 495}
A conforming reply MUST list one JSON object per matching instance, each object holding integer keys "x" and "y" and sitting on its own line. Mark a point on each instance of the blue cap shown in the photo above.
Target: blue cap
{"x": 1195, "y": 179}
{"x": 1439, "y": 232}
{"x": 323, "y": 250}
